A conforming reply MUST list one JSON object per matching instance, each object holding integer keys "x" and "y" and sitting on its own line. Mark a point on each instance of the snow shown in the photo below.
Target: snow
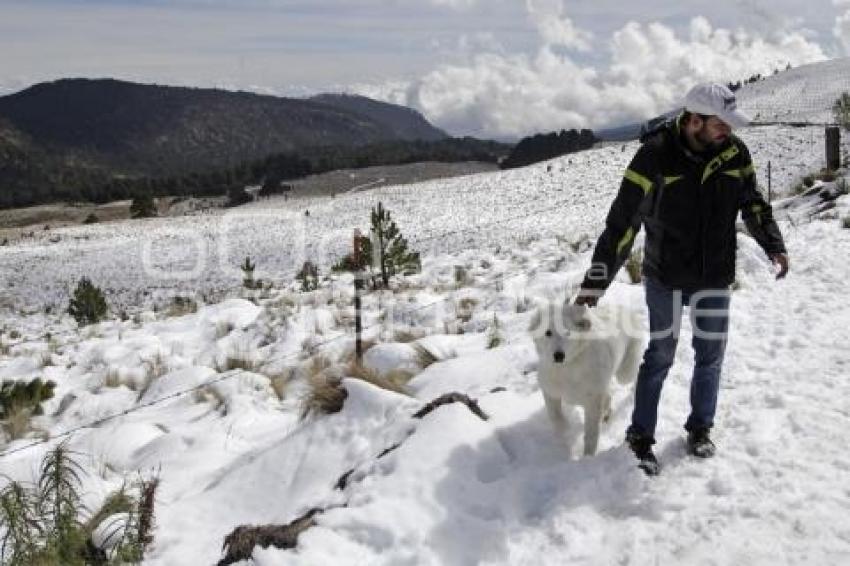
{"x": 211, "y": 400}
{"x": 801, "y": 94}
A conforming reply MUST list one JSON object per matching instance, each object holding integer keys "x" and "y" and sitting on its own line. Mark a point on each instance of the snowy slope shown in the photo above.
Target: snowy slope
{"x": 457, "y": 490}
{"x": 802, "y": 94}
{"x": 148, "y": 261}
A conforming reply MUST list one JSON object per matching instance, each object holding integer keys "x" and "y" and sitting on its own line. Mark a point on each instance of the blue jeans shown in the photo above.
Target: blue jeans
{"x": 709, "y": 315}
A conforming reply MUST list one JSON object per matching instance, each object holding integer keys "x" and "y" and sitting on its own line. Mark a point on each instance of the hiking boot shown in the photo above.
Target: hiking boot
{"x": 642, "y": 447}
{"x": 699, "y": 443}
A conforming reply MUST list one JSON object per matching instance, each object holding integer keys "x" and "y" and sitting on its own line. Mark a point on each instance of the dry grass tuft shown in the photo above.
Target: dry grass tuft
{"x": 236, "y": 361}
{"x": 213, "y": 396}
{"x": 424, "y": 356}
{"x": 350, "y": 355}
{"x": 17, "y": 423}
{"x": 326, "y": 395}
{"x": 395, "y": 380}
{"x": 406, "y": 334}
{"x": 155, "y": 367}
{"x": 280, "y": 381}
{"x": 112, "y": 378}
{"x": 465, "y": 308}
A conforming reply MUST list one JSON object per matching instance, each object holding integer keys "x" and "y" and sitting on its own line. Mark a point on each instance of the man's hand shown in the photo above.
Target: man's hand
{"x": 588, "y": 297}
{"x": 780, "y": 260}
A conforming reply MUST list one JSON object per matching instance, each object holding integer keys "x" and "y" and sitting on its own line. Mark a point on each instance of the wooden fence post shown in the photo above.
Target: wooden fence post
{"x": 833, "y": 153}
{"x": 358, "y": 286}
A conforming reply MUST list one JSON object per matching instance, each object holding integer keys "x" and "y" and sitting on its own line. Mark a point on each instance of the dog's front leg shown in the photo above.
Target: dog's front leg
{"x": 592, "y": 418}
{"x": 555, "y": 412}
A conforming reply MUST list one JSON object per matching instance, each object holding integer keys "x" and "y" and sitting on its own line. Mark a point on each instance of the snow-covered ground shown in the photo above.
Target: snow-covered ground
{"x": 458, "y": 490}
{"x": 147, "y": 261}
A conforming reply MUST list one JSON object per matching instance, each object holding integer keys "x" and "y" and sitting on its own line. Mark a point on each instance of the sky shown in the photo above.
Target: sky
{"x": 488, "y": 68}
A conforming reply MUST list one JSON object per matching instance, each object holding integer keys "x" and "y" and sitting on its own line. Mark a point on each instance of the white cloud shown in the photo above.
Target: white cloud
{"x": 650, "y": 68}
{"x": 554, "y": 27}
{"x": 841, "y": 30}
{"x": 456, "y": 4}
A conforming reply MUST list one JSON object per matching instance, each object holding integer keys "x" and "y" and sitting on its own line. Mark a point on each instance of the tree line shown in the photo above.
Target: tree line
{"x": 30, "y": 177}
{"x": 541, "y": 147}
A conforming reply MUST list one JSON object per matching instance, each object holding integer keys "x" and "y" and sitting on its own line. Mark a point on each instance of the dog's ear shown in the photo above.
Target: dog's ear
{"x": 572, "y": 290}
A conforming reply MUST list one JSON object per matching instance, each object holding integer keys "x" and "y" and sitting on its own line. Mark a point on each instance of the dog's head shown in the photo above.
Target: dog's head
{"x": 554, "y": 328}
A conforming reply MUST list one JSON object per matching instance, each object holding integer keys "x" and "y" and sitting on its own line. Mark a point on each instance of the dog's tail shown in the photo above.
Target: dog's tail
{"x": 628, "y": 370}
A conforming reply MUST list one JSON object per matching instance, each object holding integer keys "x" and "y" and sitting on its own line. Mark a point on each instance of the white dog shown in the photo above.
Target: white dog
{"x": 580, "y": 351}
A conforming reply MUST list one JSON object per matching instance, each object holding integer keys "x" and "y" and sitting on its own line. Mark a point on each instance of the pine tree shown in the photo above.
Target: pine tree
{"x": 88, "y": 304}
{"x": 143, "y": 206}
{"x": 390, "y": 254}
{"x": 248, "y": 274}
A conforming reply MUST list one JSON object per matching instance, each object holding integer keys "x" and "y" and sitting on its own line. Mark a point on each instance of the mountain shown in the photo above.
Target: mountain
{"x": 798, "y": 95}
{"x": 405, "y": 123}
{"x": 160, "y": 130}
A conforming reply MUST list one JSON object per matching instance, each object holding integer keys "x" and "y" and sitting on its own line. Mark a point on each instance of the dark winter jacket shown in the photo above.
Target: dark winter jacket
{"x": 688, "y": 204}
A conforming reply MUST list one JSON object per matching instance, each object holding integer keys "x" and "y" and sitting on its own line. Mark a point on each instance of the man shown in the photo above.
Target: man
{"x": 686, "y": 185}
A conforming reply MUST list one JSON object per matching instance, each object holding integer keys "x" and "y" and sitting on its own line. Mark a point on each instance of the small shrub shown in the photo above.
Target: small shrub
{"x": 308, "y": 277}
{"x": 87, "y": 305}
{"x": 143, "y": 206}
{"x": 846, "y": 223}
{"x": 248, "y": 274}
{"x": 91, "y": 219}
{"x": 461, "y": 276}
{"x": 494, "y": 334}
{"x": 44, "y": 521}
{"x": 19, "y": 401}
{"x": 180, "y": 306}
{"x": 465, "y": 308}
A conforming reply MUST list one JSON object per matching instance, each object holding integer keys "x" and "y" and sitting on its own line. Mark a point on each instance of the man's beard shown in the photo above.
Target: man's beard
{"x": 709, "y": 143}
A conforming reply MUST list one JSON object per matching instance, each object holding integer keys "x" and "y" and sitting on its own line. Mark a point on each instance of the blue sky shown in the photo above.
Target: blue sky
{"x": 497, "y": 68}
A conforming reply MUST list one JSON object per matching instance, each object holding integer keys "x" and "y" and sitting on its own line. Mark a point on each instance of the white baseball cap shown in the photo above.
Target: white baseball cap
{"x": 713, "y": 99}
